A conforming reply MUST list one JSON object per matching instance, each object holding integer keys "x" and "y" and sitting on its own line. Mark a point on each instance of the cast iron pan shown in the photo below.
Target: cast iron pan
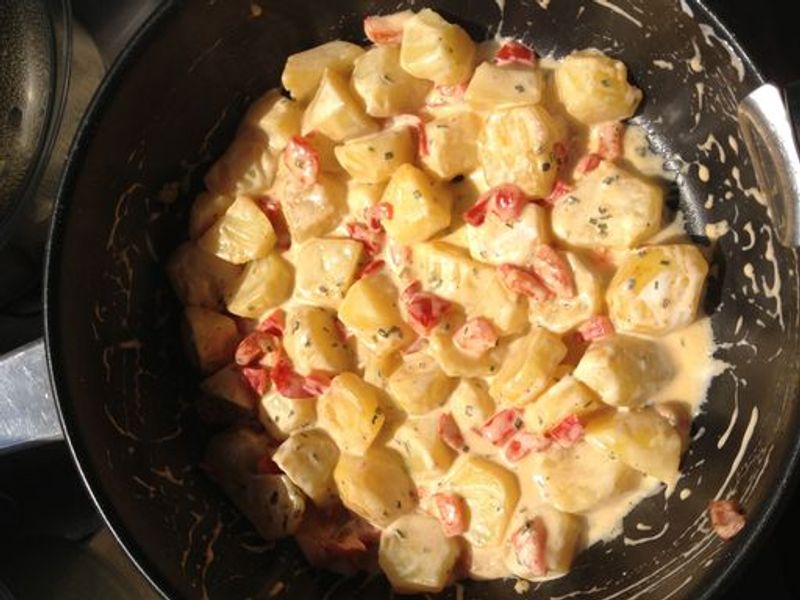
{"x": 172, "y": 104}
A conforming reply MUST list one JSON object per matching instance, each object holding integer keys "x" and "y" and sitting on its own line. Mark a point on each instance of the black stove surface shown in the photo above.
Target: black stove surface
{"x": 48, "y": 528}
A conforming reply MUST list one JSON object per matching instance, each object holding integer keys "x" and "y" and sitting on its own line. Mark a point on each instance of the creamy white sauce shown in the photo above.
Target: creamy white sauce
{"x": 619, "y": 11}
{"x": 663, "y": 64}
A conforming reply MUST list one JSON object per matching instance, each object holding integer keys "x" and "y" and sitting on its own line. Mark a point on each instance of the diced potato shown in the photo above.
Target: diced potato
{"x": 384, "y": 87}
{"x": 560, "y": 314}
{"x": 211, "y": 338}
{"x": 313, "y": 342}
{"x": 657, "y": 289}
{"x": 375, "y": 486}
{"x": 419, "y": 385}
{"x": 642, "y": 439}
{"x": 581, "y": 477}
{"x": 206, "y": 210}
{"x": 350, "y": 411}
{"x": 567, "y": 397}
{"x": 416, "y": 556}
{"x": 362, "y": 196}
{"x": 594, "y": 88}
{"x": 490, "y": 492}
{"x": 454, "y": 362}
{"x": 282, "y": 416}
{"x": 528, "y": 368}
{"x": 373, "y": 158}
{"x": 624, "y": 371}
{"x": 609, "y": 208}
{"x": 235, "y": 453}
{"x": 326, "y": 269}
{"x": 370, "y": 310}
{"x": 496, "y": 241}
{"x": 449, "y": 272}
{"x": 516, "y": 146}
{"x": 378, "y": 367}
{"x": 334, "y": 111}
{"x": 437, "y": 50}
{"x": 265, "y": 283}
{"x": 247, "y": 167}
{"x": 304, "y": 70}
{"x": 471, "y": 404}
{"x": 278, "y": 117}
{"x": 421, "y": 208}
{"x": 308, "y": 459}
{"x": 200, "y": 278}
{"x": 452, "y": 144}
{"x": 504, "y": 86}
{"x": 563, "y": 536}
{"x": 244, "y": 233}
{"x": 229, "y": 386}
{"x": 422, "y": 448}
{"x": 326, "y": 151}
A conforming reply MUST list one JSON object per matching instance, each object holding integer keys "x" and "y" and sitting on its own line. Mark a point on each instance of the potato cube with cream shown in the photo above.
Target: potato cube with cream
{"x": 313, "y": 343}
{"x": 504, "y": 86}
{"x": 210, "y": 337}
{"x": 567, "y": 397}
{"x": 471, "y": 404}
{"x": 420, "y": 207}
{"x": 282, "y": 416}
{"x": 304, "y": 70}
{"x": 436, "y": 50}
{"x": 425, "y": 453}
{"x": 278, "y": 117}
{"x": 308, "y": 459}
{"x": 350, "y": 411}
{"x": 326, "y": 268}
{"x": 452, "y": 147}
{"x": 207, "y": 209}
{"x": 384, "y": 87}
{"x": 497, "y": 241}
{"x": 247, "y": 167}
{"x": 265, "y": 283}
{"x": 419, "y": 385}
{"x": 244, "y": 233}
{"x": 374, "y": 158}
{"x": 199, "y": 278}
{"x": 336, "y": 112}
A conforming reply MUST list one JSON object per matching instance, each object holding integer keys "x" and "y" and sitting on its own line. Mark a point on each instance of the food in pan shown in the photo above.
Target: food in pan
{"x": 445, "y": 330}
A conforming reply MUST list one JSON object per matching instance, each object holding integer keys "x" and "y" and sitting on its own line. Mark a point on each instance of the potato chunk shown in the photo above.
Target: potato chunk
{"x": 373, "y": 158}
{"x": 350, "y": 412}
{"x": 384, "y": 87}
{"x": 278, "y": 117}
{"x": 471, "y": 404}
{"x": 421, "y": 208}
{"x": 452, "y": 144}
{"x": 504, "y": 86}
{"x": 623, "y": 370}
{"x": 265, "y": 283}
{"x": 642, "y": 439}
{"x": 282, "y": 416}
{"x": 560, "y": 314}
{"x": 456, "y": 363}
{"x": 563, "y": 533}
{"x": 581, "y": 477}
{"x": 594, "y": 88}
{"x": 308, "y": 459}
{"x": 436, "y": 50}
{"x": 334, "y": 111}
{"x": 496, "y": 241}
{"x": 362, "y": 196}
{"x": 207, "y": 209}
{"x": 303, "y": 71}
{"x": 247, "y": 166}
{"x": 609, "y": 208}
{"x": 211, "y": 338}
{"x": 228, "y": 386}
{"x": 200, "y": 278}
{"x": 326, "y": 269}
{"x": 491, "y": 493}
{"x": 378, "y": 367}
{"x": 657, "y": 289}
{"x": 370, "y": 310}
{"x": 422, "y": 448}
{"x": 516, "y": 146}
{"x": 567, "y": 397}
{"x": 528, "y": 368}
{"x": 313, "y": 343}
{"x": 244, "y": 233}
{"x": 419, "y": 385}
{"x": 416, "y": 556}
{"x": 375, "y": 486}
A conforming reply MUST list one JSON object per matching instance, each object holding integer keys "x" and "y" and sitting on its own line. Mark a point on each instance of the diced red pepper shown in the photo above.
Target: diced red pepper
{"x": 254, "y": 347}
{"x": 413, "y": 288}
{"x": 476, "y": 215}
{"x": 425, "y": 310}
{"x": 499, "y": 429}
{"x": 514, "y": 51}
{"x": 452, "y": 513}
{"x": 568, "y": 432}
{"x": 288, "y": 382}
{"x": 272, "y": 209}
{"x": 302, "y": 159}
{"x": 274, "y": 324}
{"x": 416, "y": 123}
{"x": 560, "y": 189}
{"x": 596, "y": 328}
{"x": 610, "y": 137}
{"x": 375, "y": 214}
{"x": 476, "y": 337}
{"x": 553, "y": 270}
{"x": 257, "y": 378}
{"x": 522, "y": 281}
{"x": 507, "y": 201}
{"x": 560, "y": 152}
{"x": 450, "y": 433}
{"x": 523, "y": 443}
{"x": 372, "y": 267}
{"x": 587, "y": 164}
{"x": 267, "y": 466}
{"x": 726, "y": 518}
{"x": 530, "y": 546}
{"x": 372, "y": 240}
{"x": 316, "y": 383}
{"x": 386, "y": 29}
{"x": 445, "y": 95}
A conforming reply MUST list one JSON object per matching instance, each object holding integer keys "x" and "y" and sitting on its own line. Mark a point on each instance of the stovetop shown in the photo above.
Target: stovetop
{"x": 52, "y": 543}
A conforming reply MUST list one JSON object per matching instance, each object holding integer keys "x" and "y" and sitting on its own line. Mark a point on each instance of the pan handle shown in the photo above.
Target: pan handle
{"x": 28, "y": 414}
{"x": 771, "y": 134}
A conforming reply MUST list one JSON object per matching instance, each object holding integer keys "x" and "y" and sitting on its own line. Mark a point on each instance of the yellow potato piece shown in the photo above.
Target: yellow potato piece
{"x": 374, "y": 158}
{"x": 567, "y": 397}
{"x": 424, "y": 452}
{"x": 244, "y": 233}
{"x": 308, "y": 459}
{"x": 313, "y": 343}
{"x": 504, "y": 86}
{"x": 247, "y": 167}
{"x": 200, "y": 278}
{"x": 303, "y": 71}
{"x": 207, "y": 208}
{"x": 335, "y": 112}
{"x": 421, "y": 208}
{"x": 436, "y": 50}
{"x": 384, "y": 87}
{"x": 471, "y": 404}
{"x": 326, "y": 269}
{"x": 452, "y": 144}
{"x": 278, "y": 117}
{"x": 419, "y": 385}
{"x": 282, "y": 416}
{"x": 265, "y": 283}
{"x": 210, "y": 337}
{"x": 350, "y": 411}
{"x": 562, "y": 542}
{"x": 496, "y": 241}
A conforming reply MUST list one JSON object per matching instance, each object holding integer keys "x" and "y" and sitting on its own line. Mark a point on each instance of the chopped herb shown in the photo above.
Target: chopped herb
{"x": 442, "y": 126}
{"x": 307, "y": 342}
{"x": 641, "y": 151}
{"x": 605, "y": 83}
{"x": 655, "y": 284}
{"x": 295, "y": 326}
{"x": 387, "y": 78}
{"x": 400, "y": 534}
{"x": 468, "y": 410}
{"x": 377, "y": 415}
{"x": 386, "y": 332}
{"x": 666, "y": 263}
{"x": 666, "y": 302}
{"x": 573, "y": 200}
{"x": 546, "y": 167}
{"x": 602, "y": 210}
{"x": 417, "y": 194}
{"x": 371, "y": 148}
{"x": 630, "y": 283}
{"x": 520, "y": 88}
{"x": 518, "y": 423}
{"x": 399, "y": 504}
{"x": 388, "y": 156}
{"x": 610, "y": 179}
{"x": 322, "y": 289}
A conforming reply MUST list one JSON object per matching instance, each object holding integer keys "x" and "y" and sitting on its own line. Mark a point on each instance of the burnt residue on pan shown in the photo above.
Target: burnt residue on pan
{"x": 126, "y": 391}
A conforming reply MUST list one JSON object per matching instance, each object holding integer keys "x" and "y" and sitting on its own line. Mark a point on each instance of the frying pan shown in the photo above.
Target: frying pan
{"x": 172, "y": 103}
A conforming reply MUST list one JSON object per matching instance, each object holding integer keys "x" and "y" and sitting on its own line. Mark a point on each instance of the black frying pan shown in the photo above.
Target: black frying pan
{"x": 172, "y": 103}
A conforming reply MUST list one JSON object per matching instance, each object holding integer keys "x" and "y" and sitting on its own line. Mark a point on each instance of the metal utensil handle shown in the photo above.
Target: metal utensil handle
{"x": 766, "y": 124}
{"x": 28, "y": 414}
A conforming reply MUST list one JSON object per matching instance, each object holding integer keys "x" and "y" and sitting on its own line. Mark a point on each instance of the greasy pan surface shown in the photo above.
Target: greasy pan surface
{"x": 172, "y": 104}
